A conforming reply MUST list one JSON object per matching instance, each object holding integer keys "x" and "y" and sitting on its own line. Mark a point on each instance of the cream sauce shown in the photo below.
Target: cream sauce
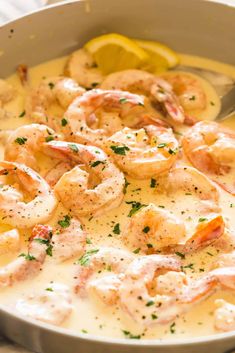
{"x": 93, "y": 317}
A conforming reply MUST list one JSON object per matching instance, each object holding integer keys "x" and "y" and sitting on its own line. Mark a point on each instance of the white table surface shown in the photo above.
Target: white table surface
{"x": 10, "y": 9}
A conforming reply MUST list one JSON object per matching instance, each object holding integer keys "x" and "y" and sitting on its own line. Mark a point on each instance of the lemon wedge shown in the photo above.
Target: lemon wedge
{"x": 115, "y": 52}
{"x": 161, "y": 57}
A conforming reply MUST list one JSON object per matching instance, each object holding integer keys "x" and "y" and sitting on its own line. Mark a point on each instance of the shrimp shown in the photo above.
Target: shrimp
{"x": 27, "y": 265}
{"x": 188, "y": 90}
{"x": 9, "y": 241}
{"x": 114, "y": 261}
{"x": 159, "y": 91}
{"x": 210, "y": 224}
{"x": 69, "y": 242}
{"x": 211, "y": 148}
{"x": 143, "y": 153}
{"x": 53, "y": 175}
{"x": 152, "y": 299}
{"x": 153, "y": 228}
{"x": 61, "y": 90}
{"x": 51, "y": 305}
{"x": 24, "y": 142}
{"x": 81, "y": 113}
{"x": 224, "y": 316}
{"x": 82, "y": 68}
{"x": 13, "y": 209}
{"x": 93, "y": 191}
{"x": 225, "y": 260}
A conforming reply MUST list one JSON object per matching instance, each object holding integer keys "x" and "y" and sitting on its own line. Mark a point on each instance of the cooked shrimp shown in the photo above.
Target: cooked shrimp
{"x": 225, "y": 277}
{"x": 82, "y": 68}
{"x": 14, "y": 209}
{"x": 69, "y": 242}
{"x": 82, "y": 111}
{"x": 159, "y": 90}
{"x": 211, "y": 149}
{"x": 210, "y": 224}
{"x": 53, "y": 175}
{"x": 114, "y": 261}
{"x": 27, "y": 265}
{"x": 51, "y": 305}
{"x": 224, "y": 316}
{"x": 27, "y": 140}
{"x": 150, "y": 299}
{"x": 9, "y": 241}
{"x": 225, "y": 260}
{"x": 153, "y": 228}
{"x": 188, "y": 89}
{"x": 93, "y": 191}
{"x": 61, "y": 90}
{"x": 143, "y": 153}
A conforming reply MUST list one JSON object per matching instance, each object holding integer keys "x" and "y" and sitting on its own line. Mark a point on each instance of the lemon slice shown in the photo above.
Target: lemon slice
{"x": 161, "y": 56}
{"x": 114, "y": 52}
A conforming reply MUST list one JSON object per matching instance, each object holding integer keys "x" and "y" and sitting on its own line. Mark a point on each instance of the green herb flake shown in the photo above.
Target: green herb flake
{"x": 172, "y": 328}
{"x": 22, "y": 114}
{"x": 28, "y": 256}
{"x": 212, "y": 103}
{"x": 120, "y": 149}
{"x": 88, "y": 241}
{"x": 94, "y": 84}
{"x": 49, "y": 289}
{"x": 171, "y": 151}
{"x": 125, "y": 186}
{"x": 64, "y": 122}
{"x": 21, "y": 140}
{"x": 136, "y": 251}
{"x": 146, "y": 229}
{"x": 154, "y": 317}
{"x": 180, "y": 254}
{"x": 73, "y": 147}
{"x": 161, "y": 145}
{"x": 202, "y": 219}
{"x": 123, "y": 100}
{"x": 65, "y": 223}
{"x": 150, "y": 303}
{"x": 94, "y": 164}
{"x": 149, "y": 246}
{"x": 116, "y": 229}
{"x": 49, "y": 138}
{"x": 128, "y": 334}
{"x": 135, "y": 206}
{"x": 192, "y": 98}
{"x": 153, "y": 183}
{"x": 85, "y": 259}
{"x": 84, "y": 331}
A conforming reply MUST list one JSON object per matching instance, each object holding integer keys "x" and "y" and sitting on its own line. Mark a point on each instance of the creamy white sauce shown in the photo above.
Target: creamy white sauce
{"x": 94, "y": 317}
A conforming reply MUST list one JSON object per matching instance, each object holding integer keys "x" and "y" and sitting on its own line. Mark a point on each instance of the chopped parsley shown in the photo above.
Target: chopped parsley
{"x": 130, "y": 335}
{"x": 73, "y": 147}
{"x": 192, "y": 98}
{"x": 123, "y": 100}
{"x": 49, "y": 138}
{"x": 46, "y": 242}
{"x": 120, "y": 149}
{"x": 180, "y": 254}
{"x": 172, "y": 327}
{"x": 94, "y": 164}
{"x": 88, "y": 241}
{"x": 150, "y": 303}
{"x": 135, "y": 206}
{"x": 153, "y": 183}
{"x": 171, "y": 151}
{"x": 161, "y": 145}
{"x": 22, "y": 114}
{"x": 190, "y": 266}
{"x": 146, "y": 229}
{"x": 64, "y": 122}
{"x": 94, "y": 84}
{"x": 154, "y": 317}
{"x": 125, "y": 186}
{"x": 28, "y": 256}
{"x": 202, "y": 219}
{"x": 149, "y": 246}
{"x": 21, "y": 140}
{"x": 84, "y": 331}
{"x": 49, "y": 289}
{"x": 85, "y": 259}
{"x": 116, "y": 229}
{"x": 51, "y": 85}
{"x": 136, "y": 251}
{"x": 65, "y": 223}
